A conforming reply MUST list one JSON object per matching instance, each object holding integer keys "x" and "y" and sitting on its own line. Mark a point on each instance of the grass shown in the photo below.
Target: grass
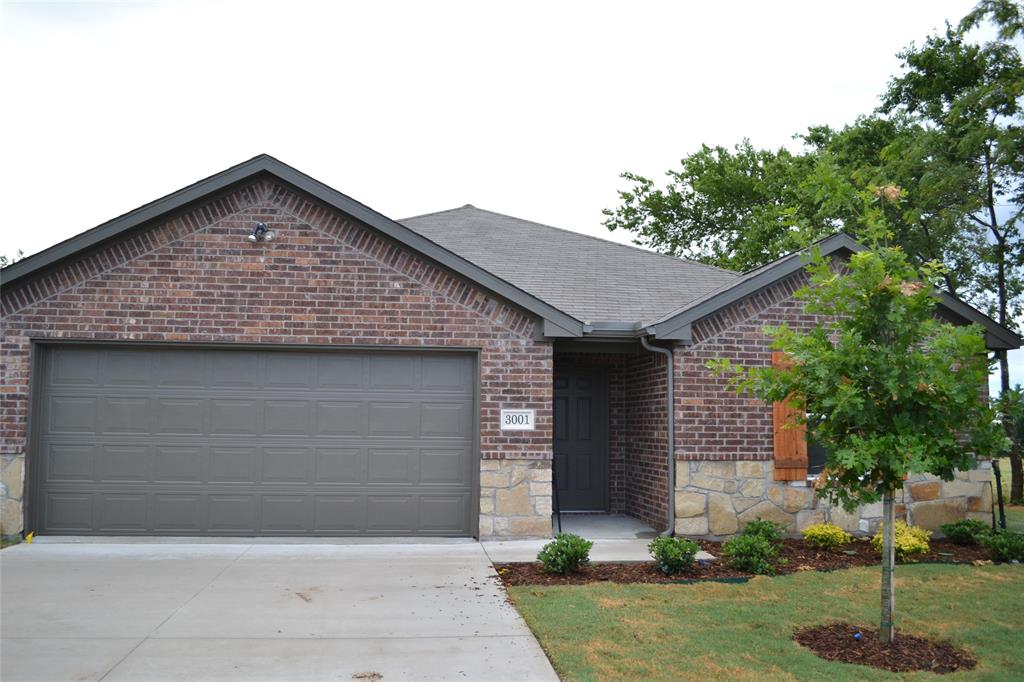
{"x": 744, "y": 632}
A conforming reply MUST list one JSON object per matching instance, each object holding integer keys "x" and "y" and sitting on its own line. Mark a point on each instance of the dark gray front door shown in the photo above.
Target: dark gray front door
{"x": 581, "y": 440}
{"x": 175, "y": 441}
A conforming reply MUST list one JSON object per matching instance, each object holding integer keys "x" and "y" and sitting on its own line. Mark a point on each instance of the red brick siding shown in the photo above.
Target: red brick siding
{"x": 713, "y": 423}
{"x": 646, "y": 465}
{"x": 325, "y": 280}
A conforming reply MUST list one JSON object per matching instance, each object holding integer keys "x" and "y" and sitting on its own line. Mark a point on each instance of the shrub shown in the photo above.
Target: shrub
{"x": 965, "y": 531}
{"x": 753, "y": 553}
{"x": 567, "y": 553}
{"x": 769, "y": 530}
{"x": 1004, "y": 546}
{"x": 910, "y": 541}
{"x": 825, "y": 536}
{"x": 673, "y": 555}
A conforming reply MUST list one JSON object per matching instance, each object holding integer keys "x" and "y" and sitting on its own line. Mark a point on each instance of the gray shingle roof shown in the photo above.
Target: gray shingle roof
{"x": 592, "y": 279}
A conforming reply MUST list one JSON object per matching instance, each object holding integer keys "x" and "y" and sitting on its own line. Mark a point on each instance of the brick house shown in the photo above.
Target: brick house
{"x": 259, "y": 354}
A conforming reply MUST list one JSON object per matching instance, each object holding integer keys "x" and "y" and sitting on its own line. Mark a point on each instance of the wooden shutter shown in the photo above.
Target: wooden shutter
{"x": 790, "y": 436}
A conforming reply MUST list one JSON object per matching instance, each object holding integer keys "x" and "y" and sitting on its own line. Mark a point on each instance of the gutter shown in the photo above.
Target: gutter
{"x": 671, "y": 425}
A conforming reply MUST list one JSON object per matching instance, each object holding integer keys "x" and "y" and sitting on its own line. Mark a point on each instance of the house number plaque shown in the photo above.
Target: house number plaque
{"x": 517, "y": 420}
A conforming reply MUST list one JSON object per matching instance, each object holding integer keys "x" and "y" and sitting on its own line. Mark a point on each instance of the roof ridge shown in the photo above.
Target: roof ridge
{"x": 578, "y": 234}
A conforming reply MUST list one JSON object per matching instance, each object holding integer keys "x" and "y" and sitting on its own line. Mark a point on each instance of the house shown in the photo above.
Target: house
{"x": 259, "y": 354}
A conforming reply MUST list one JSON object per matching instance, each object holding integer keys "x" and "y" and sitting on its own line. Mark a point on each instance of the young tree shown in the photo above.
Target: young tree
{"x": 888, "y": 388}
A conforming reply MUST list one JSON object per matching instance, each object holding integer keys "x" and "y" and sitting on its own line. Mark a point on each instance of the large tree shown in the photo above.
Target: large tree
{"x": 887, "y": 387}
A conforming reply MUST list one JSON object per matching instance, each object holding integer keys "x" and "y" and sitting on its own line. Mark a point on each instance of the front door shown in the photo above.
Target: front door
{"x": 581, "y": 440}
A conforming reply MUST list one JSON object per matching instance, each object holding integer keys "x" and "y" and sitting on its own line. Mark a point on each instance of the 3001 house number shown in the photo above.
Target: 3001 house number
{"x": 517, "y": 420}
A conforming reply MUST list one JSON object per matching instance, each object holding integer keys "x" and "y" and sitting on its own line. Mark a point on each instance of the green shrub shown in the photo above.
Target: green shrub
{"x": 910, "y": 541}
{"x": 769, "y": 530}
{"x": 673, "y": 555}
{"x": 1004, "y": 546}
{"x": 567, "y": 553}
{"x": 965, "y": 531}
{"x": 825, "y": 536}
{"x": 752, "y": 553}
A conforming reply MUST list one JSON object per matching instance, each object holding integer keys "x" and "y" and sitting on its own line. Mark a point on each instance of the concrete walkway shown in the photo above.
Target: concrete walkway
{"x": 92, "y": 611}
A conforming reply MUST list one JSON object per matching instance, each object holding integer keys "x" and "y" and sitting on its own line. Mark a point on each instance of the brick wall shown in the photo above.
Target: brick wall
{"x": 646, "y": 466}
{"x": 712, "y": 422}
{"x": 324, "y": 280}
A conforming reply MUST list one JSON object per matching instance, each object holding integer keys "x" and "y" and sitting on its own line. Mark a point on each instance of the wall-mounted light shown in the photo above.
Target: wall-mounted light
{"x": 261, "y": 233}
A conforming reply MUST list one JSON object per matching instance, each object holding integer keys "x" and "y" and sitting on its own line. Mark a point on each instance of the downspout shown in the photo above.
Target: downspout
{"x": 671, "y": 420}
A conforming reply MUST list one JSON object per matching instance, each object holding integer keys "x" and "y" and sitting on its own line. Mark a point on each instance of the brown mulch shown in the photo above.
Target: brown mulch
{"x": 836, "y": 642}
{"x": 795, "y": 557}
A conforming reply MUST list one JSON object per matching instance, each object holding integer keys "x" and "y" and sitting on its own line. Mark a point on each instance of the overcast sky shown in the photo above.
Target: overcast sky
{"x": 531, "y": 109}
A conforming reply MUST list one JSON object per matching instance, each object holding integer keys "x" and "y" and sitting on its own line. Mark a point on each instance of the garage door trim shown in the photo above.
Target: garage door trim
{"x": 39, "y": 347}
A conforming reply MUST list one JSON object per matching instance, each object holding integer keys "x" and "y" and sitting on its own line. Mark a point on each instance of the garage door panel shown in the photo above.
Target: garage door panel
{"x": 447, "y": 373}
{"x": 442, "y": 513}
{"x": 180, "y": 369}
{"x": 125, "y": 368}
{"x": 237, "y": 369}
{"x": 391, "y": 513}
{"x": 121, "y": 512}
{"x": 287, "y": 465}
{"x": 341, "y": 418}
{"x": 116, "y": 463}
{"x": 75, "y": 367}
{"x": 180, "y": 513}
{"x": 391, "y": 466}
{"x": 181, "y": 416}
{"x": 68, "y": 462}
{"x": 340, "y": 514}
{"x": 222, "y": 442}
{"x": 234, "y": 465}
{"x": 126, "y": 415}
{"x": 69, "y": 414}
{"x": 233, "y": 513}
{"x": 179, "y": 464}
{"x": 340, "y": 465}
{"x": 67, "y": 512}
{"x": 340, "y": 371}
{"x": 235, "y": 417}
{"x": 392, "y": 372}
{"x": 443, "y": 467}
{"x": 287, "y": 417}
{"x": 394, "y": 419}
{"x": 445, "y": 420}
{"x": 286, "y": 513}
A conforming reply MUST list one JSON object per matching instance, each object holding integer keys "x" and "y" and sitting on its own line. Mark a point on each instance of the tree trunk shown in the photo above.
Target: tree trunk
{"x": 887, "y": 632}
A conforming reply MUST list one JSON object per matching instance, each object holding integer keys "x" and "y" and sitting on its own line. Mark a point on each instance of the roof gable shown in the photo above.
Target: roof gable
{"x": 677, "y": 325}
{"x": 556, "y": 322}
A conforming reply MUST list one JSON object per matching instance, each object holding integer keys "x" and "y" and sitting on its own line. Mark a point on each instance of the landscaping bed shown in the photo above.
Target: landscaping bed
{"x": 795, "y": 554}
{"x": 837, "y": 642}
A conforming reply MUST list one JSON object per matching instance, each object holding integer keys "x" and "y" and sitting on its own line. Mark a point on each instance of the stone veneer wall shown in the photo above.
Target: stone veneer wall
{"x": 716, "y": 499}
{"x": 515, "y": 498}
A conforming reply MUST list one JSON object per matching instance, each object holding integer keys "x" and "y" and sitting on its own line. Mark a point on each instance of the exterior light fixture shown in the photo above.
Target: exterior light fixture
{"x": 261, "y": 233}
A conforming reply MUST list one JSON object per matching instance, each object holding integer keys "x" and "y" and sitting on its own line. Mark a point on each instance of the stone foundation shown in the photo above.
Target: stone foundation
{"x": 515, "y": 498}
{"x": 12, "y": 487}
{"x": 716, "y": 499}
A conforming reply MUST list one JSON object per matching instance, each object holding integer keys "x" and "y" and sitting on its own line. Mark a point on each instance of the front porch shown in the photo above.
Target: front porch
{"x": 610, "y": 445}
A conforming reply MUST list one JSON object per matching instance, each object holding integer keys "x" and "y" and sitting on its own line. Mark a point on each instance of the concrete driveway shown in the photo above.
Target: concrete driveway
{"x": 146, "y": 611}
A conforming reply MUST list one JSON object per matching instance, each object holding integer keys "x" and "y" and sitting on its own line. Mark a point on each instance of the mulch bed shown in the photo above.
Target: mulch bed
{"x": 795, "y": 555}
{"x": 836, "y": 642}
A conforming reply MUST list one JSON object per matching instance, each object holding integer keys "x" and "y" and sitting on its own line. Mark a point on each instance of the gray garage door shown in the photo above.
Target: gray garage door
{"x": 230, "y": 442}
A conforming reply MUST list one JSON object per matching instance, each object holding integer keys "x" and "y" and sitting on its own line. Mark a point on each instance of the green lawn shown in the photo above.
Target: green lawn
{"x": 710, "y": 631}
